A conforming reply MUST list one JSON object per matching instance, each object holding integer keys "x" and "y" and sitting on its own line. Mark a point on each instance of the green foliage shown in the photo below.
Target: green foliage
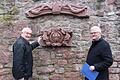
{"x": 1, "y": 6}
{"x": 6, "y": 19}
{"x": 14, "y": 10}
{"x": 39, "y": 78}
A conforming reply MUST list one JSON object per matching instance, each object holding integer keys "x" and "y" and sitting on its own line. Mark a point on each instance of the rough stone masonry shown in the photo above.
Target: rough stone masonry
{"x": 59, "y": 63}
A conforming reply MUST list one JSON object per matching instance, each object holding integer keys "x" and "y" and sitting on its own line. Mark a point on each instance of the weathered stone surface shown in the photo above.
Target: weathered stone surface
{"x": 6, "y": 77}
{"x": 79, "y": 56}
{"x": 72, "y": 61}
{"x": 114, "y": 70}
{"x": 114, "y": 77}
{"x": 71, "y": 74}
{"x": 2, "y": 11}
{"x": 68, "y": 54}
{"x": 116, "y": 56}
{"x": 66, "y": 61}
{"x": 62, "y": 63}
{"x": 44, "y": 58}
{"x": 115, "y": 64}
{"x": 60, "y": 70}
{"x": 23, "y": 0}
{"x": 1, "y": 66}
{"x": 45, "y": 70}
{"x": 4, "y": 56}
{"x": 119, "y": 64}
{"x": 56, "y": 77}
{"x": 8, "y": 65}
{"x": 5, "y": 71}
{"x": 109, "y": 2}
{"x": 77, "y": 67}
{"x": 73, "y": 78}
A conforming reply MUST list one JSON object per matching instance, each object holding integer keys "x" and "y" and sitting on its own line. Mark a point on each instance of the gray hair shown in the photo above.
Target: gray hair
{"x": 95, "y": 29}
{"x": 27, "y": 29}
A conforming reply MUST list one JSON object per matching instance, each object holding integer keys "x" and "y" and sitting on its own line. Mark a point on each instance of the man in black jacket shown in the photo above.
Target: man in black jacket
{"x": 22, "y": 55}
{"x": 99, "y": 56}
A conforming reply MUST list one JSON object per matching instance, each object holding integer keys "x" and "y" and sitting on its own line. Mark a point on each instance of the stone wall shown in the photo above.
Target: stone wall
{"x": 59, "y": 63}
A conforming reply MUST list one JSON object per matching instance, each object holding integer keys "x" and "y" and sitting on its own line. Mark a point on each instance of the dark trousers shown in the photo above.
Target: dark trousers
{"x": 86, "y": 78}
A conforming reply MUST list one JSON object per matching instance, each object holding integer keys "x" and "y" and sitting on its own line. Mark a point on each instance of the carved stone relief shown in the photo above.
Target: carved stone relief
{"x": 110, "y": 2}
{"x": 56, "y": 37}
{"x": 58, "y": 7}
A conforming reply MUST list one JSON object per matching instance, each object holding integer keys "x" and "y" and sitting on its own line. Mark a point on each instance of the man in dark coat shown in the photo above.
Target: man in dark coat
{"x": 22, "y": 56}
{"x": 99, "y": 56}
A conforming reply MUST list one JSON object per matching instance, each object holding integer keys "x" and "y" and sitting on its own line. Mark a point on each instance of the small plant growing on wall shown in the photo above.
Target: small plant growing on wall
{"x": 1, "y": 6}
{"x": 14, "y": 10}
{"x": 6, "y": 19}
{"x": 9, "y": 10}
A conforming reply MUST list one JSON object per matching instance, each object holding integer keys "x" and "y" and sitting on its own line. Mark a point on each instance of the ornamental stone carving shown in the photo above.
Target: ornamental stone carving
{"x": 110, "y": 2}
{"x": 56, "y": 37}
{"x": 58, "y": 7}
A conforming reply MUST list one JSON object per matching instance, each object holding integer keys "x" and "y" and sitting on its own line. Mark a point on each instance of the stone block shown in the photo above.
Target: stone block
{"x": 6, "y": 77}
{"x": 115, "y": 64}
{"x": 79, "y": 56}
{"x": 77, "y": 67}
{"x": 56, "y": 77}
{"x": 4, "y": 56}
{"x": 117, "y": 56}
{"x": 2, "y": 11}
{"x": 114, "y": 70}
{"x": 62, "y": 63}
{"x": 1, "y": 65}
{"x": 45, "y": 70}
{"x": 114, "y": 77}
{"x": 60, "y": 70}
{"x": 71, "y": 74}
{"x": 5, "y": 71}
{"x": 119, "y": 64}
{"x": 72, "y": 78}
{"x": 68, "y": 54}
